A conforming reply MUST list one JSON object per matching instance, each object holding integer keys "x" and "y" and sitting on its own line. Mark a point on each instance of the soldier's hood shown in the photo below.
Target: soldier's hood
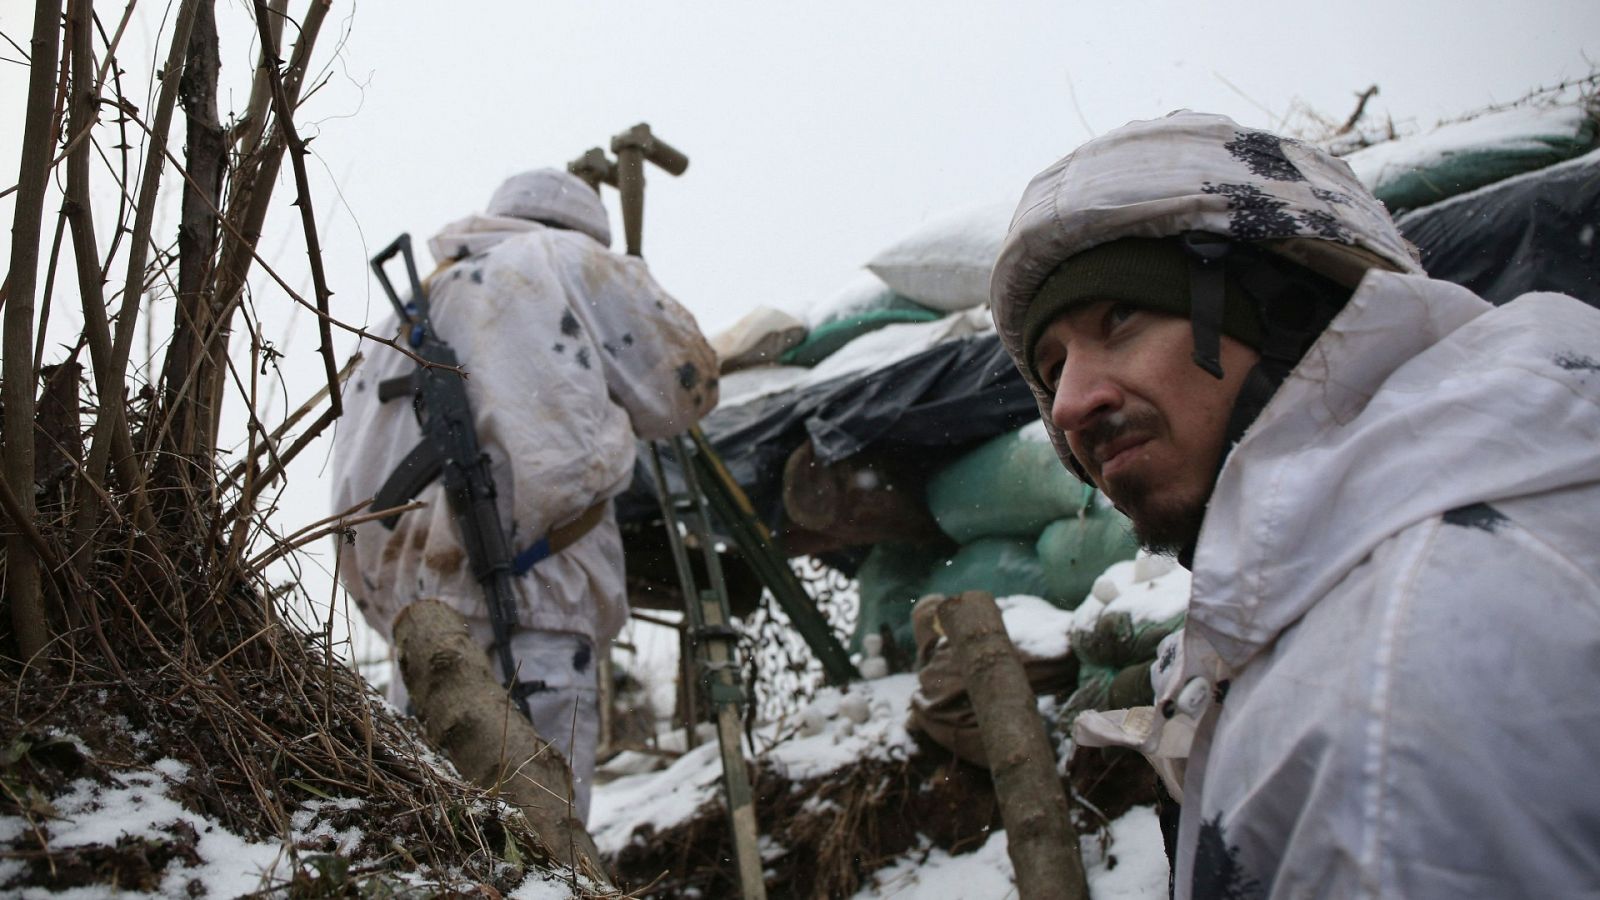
{"x": 1189, "y": 172}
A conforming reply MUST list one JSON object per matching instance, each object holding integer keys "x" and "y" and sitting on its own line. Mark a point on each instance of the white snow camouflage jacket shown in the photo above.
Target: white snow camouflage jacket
{"x": 571, "y": 351}
{"x": 1393, "y": 639}
{"x": 1397, "y": 601}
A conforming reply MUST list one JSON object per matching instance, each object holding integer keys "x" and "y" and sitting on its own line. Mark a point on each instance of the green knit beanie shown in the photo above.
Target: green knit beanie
{"x": 1150, "y": 273}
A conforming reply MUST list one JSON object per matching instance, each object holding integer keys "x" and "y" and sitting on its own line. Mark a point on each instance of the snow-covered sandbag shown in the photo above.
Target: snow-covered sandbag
{"x": 945, "y": 264}
{"x": 1416, "y": 171}
{"x": 1115, "y": 639}
{"x": 1010, "y": 486}
{"x": 826, "y": 340}
{"x": 757, "y": 339}
{"x": 864, "y": 293}
{"x": 896, "y": 342}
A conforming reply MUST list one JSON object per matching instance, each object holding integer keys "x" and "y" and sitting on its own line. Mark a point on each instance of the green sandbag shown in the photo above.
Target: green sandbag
{"x": 1114, "y": 659}
{"x": 1010, "y": 486}
{"x": 890, "y": 581}
{"x": 1076, "y": 550}
{"x": 1486, "y": 150}
{"x": 824, "y": 340}
{"x": 1001, "y": 566}
{"x": 875, "y": 299}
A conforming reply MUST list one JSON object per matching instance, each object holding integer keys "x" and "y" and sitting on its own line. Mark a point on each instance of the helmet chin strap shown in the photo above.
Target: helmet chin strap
{"x": 1294, "y": 305}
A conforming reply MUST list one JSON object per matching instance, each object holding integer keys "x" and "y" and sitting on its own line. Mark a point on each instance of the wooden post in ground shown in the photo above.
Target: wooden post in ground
{"x": 1041, "y": 840}
{"x": 467, "y": 713}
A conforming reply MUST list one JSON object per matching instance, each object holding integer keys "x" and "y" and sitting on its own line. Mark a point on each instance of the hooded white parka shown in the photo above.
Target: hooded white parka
{"x": 571, "y": 351}
{"x": 1393, "y": 640}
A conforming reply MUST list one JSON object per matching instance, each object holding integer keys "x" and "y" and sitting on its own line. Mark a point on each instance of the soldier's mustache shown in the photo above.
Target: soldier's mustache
{"x": 1109, "y": 428}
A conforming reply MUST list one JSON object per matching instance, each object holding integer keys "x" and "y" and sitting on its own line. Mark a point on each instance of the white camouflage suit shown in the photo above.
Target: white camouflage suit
{"x": 572, "y": 352}
{"x": 1393, "y": 643}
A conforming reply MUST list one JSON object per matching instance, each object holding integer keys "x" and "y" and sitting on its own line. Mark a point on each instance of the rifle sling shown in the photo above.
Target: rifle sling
{"x": 559, "y": 538}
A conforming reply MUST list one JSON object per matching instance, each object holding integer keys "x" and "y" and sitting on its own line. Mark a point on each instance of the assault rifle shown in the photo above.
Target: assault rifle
{"x": 449, "y": 449}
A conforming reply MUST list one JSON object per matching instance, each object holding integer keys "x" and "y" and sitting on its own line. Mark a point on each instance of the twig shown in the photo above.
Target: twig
{"x": 292, "y": 294}
{"x": 253, "y": 125}
{"x": 308, "y": 222}
{"x": 1361, "y": 108}
{"x": 343, "y": 521}
{"x": 294, "y": 419}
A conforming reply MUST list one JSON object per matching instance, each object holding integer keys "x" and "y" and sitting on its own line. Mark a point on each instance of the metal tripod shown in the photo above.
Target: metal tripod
{"x": 714, "y": 642}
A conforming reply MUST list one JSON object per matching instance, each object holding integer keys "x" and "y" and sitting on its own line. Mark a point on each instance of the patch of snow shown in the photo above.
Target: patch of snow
{"x": 1131, "y": 864}
{"x": 861, "y": 293}
{"x": 140, "y": 807}
{"x": 842, "y": 742}
{"x": 872, "y": 350}
{"x": 1036, "y": 627}
{"x": 745, "y": 385}
{"x": 933, "y": 874}
{"x": 892, "y": 343}
{"x": 660, "y": 799}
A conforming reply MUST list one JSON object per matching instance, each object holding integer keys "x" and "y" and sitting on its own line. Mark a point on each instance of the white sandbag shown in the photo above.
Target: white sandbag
{"x": 758, "y": 339}
{"x": 945, "y": 264}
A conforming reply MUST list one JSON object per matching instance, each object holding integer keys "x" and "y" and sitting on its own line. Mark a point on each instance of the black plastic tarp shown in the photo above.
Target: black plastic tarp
{"x": 951, "y": 395}
{"x": 1534, "y": 232}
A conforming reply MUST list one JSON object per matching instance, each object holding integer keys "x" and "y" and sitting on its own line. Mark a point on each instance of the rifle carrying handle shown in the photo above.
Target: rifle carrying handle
{"x": 402, "y": 246}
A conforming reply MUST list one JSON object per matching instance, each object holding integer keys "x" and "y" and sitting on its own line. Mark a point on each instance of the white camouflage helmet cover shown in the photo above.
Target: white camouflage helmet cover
{"x": 1189, "y": 172}
{"x": 554, "y": 197}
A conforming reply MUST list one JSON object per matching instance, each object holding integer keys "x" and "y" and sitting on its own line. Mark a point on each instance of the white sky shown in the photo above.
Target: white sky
{"x": 818, "y": 132}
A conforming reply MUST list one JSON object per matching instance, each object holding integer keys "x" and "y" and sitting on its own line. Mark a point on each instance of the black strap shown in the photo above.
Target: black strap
{"x": 1207, "y": 295}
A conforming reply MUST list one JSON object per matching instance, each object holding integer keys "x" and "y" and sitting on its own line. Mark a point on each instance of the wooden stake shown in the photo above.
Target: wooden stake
{"x": 468, "y": 714}
{"x": 1041, "y": 841}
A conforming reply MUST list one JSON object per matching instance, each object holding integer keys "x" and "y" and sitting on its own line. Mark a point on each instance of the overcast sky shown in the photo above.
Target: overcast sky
{"x": 817, "y": 131}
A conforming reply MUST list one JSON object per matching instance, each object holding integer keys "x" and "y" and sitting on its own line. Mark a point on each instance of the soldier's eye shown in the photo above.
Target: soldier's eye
{"x": 1118, "y": 313}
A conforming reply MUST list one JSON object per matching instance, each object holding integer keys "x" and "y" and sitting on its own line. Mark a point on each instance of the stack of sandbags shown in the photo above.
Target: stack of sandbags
{"x": 1024, "y": 526}
{"x": 941, "y": 268}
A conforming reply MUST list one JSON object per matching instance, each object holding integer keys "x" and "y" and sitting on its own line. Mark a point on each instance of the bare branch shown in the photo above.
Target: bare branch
{"x": 17, "y": 385}
{"x": 270, "y": 445}
{"x": 1361, "y": 108}
{"x": 297, "y": 159}
{"x": 325, "y": 527}
{"x": 133, "y": 287}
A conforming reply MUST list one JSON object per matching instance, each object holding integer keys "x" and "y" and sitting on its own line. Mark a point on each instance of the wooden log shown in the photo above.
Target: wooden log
{"x": 466, "y": 712}
{"x": 1041, "y": 840}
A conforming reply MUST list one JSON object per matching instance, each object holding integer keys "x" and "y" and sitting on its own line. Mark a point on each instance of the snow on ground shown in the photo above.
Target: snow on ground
{"x": 141, "y": 806}
{"x": 867, "y": 721}
{"x": 1131, "y": 865}
{"x": 838, "y": 729}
